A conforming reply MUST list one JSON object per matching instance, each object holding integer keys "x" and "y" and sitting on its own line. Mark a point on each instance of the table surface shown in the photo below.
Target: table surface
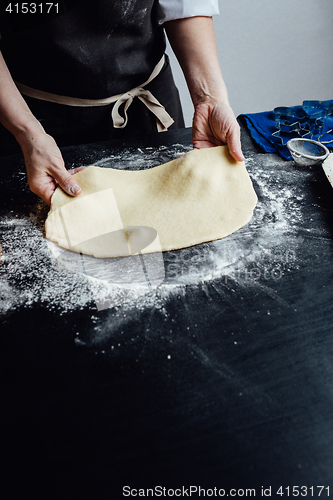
{"x": 222, "y": 376}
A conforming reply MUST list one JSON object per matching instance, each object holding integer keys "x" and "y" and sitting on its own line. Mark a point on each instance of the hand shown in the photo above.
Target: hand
{"x": 214, "y": 124}
{"x": 45, "y": 166}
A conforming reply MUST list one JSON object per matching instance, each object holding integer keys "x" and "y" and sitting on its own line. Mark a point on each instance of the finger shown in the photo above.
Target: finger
{"x": 47, "y": 194}
{"x": 43, "y": 190}
{"x": 207, "y": 144}
{"x": 76, "y": 170}
{"x": 202, "y": 144}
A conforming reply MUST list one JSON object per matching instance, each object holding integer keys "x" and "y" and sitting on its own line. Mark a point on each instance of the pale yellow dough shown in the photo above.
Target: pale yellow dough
{"x": 202, "y": 196}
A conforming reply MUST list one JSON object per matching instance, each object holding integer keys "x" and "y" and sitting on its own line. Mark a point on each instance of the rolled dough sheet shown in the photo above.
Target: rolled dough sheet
{"x": 202, "y": 196}
{"x": 328, "y": 168}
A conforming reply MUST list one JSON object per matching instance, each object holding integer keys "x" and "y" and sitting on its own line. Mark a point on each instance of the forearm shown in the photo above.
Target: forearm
{"x": 43, "y": 160}
{"x": 15, "y": 115}
{"x": 214, "y": 123}
{"x": 193, "y": 41}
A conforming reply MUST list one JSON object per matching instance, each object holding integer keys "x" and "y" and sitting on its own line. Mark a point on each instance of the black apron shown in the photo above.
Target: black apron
{"x": 90, "y": 50}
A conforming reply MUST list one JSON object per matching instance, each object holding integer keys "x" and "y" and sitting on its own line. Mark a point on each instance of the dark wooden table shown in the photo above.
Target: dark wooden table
{"x": 222, "y": 377}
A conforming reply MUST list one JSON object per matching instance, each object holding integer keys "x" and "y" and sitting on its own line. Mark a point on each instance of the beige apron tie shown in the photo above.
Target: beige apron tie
{"x": 163, "y": 119}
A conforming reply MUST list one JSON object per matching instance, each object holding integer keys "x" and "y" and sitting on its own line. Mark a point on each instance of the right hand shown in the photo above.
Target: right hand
{"x": 45, "y": 166}
{"x": 214, "y": 124}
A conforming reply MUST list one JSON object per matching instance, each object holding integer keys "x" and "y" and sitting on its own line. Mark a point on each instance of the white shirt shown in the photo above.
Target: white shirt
{"x": 179, "y": 9}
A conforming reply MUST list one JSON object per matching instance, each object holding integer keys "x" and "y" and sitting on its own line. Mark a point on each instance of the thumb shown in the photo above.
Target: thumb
{"x": 67, "y": 182}
{"x": 234, "y": 144}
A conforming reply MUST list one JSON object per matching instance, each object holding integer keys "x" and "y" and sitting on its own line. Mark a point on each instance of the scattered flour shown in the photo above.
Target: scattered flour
{"x": 255, "y": 256}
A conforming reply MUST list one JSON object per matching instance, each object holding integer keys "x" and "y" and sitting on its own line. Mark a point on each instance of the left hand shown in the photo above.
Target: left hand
{"x": 214, "y": 124}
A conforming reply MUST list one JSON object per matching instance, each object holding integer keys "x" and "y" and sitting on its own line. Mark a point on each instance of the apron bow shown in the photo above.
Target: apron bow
{"x": 163, "y": 119}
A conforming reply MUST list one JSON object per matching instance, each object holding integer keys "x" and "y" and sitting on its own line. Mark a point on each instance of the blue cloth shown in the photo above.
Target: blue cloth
{"x": 262, "y": 125}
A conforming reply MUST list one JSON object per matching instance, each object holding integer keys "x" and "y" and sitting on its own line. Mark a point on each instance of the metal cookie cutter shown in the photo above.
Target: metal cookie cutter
{"x": 305, "y": 122}
{"x": 306, "y": 152}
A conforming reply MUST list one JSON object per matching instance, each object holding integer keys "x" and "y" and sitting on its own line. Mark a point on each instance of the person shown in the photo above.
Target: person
{"x": 59, "y": 74}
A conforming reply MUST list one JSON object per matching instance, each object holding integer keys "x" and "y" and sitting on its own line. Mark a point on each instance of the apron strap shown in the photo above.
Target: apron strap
{"x": 163, "y": 119}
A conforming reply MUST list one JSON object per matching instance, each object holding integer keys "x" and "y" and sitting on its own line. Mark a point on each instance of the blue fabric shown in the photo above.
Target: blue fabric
{"x": 262, "y": 125}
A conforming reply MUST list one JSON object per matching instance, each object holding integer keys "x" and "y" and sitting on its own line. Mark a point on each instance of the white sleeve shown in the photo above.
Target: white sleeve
{"x": 167, "y": 10}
